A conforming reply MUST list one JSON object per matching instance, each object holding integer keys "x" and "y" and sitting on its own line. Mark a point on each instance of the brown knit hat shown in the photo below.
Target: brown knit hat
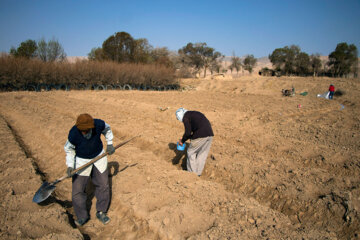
{"x": 84, "y": 122}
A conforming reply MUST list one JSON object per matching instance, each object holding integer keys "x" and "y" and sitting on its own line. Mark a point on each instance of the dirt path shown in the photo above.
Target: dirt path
{"x": 275, "y": 170}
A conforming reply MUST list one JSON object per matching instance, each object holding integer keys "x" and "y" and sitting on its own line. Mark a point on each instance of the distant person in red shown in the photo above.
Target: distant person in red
{"x": 331, "y": 90}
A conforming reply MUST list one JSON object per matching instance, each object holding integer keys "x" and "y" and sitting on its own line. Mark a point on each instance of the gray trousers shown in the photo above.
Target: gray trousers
{"x": 102, "y": 192}
{"x": 197, "y": 153}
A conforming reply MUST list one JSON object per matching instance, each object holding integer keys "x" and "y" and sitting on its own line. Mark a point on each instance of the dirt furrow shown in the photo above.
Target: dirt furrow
{"x": 274, "y": 171}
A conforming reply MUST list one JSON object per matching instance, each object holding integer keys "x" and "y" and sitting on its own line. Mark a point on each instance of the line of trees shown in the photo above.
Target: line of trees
{"x": 121, "y": 47}
{"x": 248, "y": 63}
{"x": 47, "y": 51}
{"x": 189, "y": 61}
{"x": 195, "y": 58}
{"x": 290, "y": 60}
{"x": 122, "y": 60}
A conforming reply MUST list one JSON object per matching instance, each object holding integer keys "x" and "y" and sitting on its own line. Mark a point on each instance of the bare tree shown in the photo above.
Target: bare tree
{"x": 55, "y": 51}
{"x": 235, "y": 63}
{"x": 42, "y": 50}
{"x": 50, "y": 51}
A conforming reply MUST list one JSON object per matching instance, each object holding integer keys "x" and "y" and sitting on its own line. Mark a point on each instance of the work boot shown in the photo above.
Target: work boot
{"x": 102, "y": 217}
{"x": 81, "y": 221}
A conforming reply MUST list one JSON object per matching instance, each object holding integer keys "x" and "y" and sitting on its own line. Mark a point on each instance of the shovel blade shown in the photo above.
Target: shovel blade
{"x": 44, "y": 192}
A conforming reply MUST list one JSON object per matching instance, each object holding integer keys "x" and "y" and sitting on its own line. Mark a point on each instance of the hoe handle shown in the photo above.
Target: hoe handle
{"x": 95, "y": 159}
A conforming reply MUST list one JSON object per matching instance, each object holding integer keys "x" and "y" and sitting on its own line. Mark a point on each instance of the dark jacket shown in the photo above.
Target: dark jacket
{"x": 196, "y": 126}
{"x": 87, "y": 148}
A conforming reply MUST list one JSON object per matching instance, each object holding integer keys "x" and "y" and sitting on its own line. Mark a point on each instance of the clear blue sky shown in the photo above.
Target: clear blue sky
{"x": 242, "y": 26}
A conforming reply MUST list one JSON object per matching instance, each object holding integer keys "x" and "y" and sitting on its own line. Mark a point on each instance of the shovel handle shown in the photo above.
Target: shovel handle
{"x": 95, "y": 159}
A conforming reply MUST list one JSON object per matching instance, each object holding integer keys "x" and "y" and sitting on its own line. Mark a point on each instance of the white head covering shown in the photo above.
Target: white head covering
{"x": 180, "y": 113}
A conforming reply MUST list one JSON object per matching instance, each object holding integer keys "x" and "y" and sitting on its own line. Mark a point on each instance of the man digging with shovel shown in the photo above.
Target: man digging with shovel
{"x": 83, "y": 144}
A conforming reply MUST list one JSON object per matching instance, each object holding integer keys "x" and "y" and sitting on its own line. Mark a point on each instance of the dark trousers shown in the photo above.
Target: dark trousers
{"x": 102, "y": 192}
{"x": 331, "y": 95}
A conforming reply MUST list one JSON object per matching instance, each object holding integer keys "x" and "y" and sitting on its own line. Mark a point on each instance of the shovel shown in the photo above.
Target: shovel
{"x": 47, "y": 188}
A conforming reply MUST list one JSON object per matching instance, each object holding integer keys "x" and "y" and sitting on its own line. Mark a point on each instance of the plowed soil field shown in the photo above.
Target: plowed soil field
{"x": 279, "y": 167}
